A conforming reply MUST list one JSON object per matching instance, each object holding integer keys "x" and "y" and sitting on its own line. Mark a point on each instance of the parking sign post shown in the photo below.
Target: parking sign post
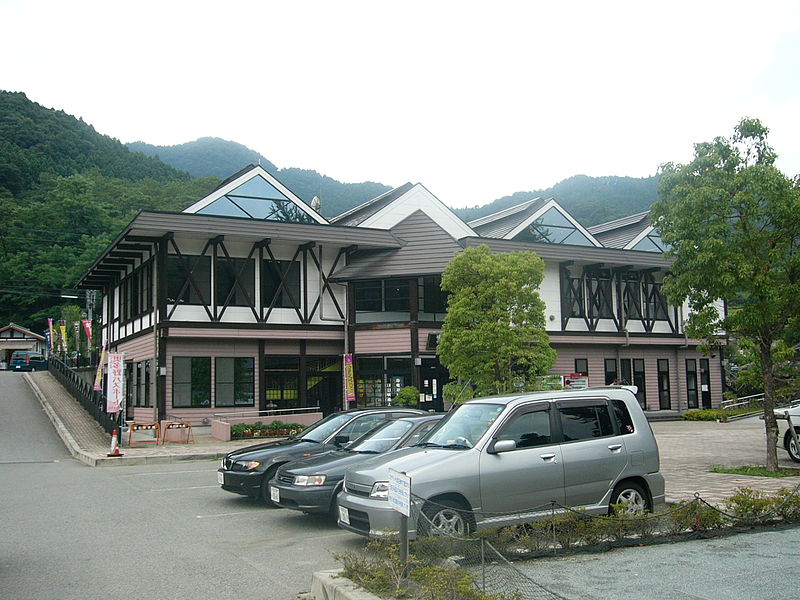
{"x": 399, "y": 498}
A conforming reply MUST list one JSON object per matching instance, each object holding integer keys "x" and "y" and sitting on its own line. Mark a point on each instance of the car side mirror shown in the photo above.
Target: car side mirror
{"x": 339, "y": 440}
{"x": 502, "y": 446}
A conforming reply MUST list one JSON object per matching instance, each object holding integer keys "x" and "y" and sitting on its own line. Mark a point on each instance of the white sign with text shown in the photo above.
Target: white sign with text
{"x": 400, "y": 492}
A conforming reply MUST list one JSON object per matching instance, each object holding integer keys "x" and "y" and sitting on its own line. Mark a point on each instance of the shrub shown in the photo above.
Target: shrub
{"x": 750, "y": 504}
{"x": 407, "y": 396}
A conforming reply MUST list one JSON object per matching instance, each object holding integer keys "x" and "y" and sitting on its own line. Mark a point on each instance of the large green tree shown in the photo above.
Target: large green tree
{"x": 732, "y": 220}
{"x": 494, "y": 335}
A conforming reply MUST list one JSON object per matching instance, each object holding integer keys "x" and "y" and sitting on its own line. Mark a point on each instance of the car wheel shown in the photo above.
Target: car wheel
{"x": 632, "y": 496}
{"x": 445, "y": 517}
{"x": 791, "y": 446}
{"x": 333, "y": 510}
{"x": 269, "y": 474}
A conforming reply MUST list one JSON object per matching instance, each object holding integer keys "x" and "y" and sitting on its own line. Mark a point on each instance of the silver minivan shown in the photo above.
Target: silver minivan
{"x": 502, "y": 460}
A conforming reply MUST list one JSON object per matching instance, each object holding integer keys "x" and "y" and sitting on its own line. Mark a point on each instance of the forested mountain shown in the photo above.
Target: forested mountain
{"x": 65, "y": 192}
{"x": 222, "y": 158}
{"x": 591, "y": 200}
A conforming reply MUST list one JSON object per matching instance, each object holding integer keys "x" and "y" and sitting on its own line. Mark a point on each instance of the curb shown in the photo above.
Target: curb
{"x": 66, "y": 437}
{"x": 330, "y": 585}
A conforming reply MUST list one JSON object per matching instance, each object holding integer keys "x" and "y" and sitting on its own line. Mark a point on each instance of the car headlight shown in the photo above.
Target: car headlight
{"x": 380, "y": 490}
{"x": 309, "y": 479}
{"x": 249, "y": 466}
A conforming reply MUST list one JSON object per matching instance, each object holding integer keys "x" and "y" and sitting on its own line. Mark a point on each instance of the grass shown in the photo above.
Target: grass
{"x": 756, "y": 471}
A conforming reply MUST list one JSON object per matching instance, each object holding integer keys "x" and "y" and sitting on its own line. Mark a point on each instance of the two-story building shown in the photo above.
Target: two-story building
{"x": 250, "y": 298}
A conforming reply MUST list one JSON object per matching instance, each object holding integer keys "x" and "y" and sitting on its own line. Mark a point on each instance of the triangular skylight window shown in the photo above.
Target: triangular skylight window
{"x": 553, "y": 228}
{"x": 651, "y": 243}
{"x": 257, "y": 199}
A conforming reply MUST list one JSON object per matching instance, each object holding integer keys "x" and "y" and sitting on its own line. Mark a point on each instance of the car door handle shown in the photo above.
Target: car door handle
{"x": 615, "y": 447}
{"x": 548, "y": 457}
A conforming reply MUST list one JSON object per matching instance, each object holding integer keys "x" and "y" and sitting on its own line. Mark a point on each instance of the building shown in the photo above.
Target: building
{"x": 249, "y": 299}
{"x": 15, "y": 337}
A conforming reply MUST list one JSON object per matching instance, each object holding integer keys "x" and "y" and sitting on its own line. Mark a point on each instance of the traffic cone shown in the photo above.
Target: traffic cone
{"x": 114, "y": 445}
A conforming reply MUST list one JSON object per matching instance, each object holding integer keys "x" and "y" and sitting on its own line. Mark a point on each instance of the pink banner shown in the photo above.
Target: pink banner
{"x": 98, "y": 377}
{"x": 115, "y": 382}
{"x": 87, "y": 327}
{"x": 52, "y": 333}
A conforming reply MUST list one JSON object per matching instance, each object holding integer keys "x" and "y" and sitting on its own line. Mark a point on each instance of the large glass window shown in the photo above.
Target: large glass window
{"x": 188, "y": 279}
{"x": 257, "y": 199}
{"x": 369, "y": 295}
{"x": 282, "y": 380}
{"x": 434, "y": 300}
{"x": 554, "y": 228}
{"x": 229, "y": 291}
{"x": 324, "y": 382}
{"x": 280, "y": 284}
{"x": 388, "y": 296}
{"x": 234, "y": 381}
{"x": 191, "y": 382}
{"x": 601, "y": 303}
{"x": 379, "y": 379}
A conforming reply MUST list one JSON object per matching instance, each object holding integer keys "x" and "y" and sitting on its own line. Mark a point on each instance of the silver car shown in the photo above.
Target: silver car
{"x": 503, "y": 460}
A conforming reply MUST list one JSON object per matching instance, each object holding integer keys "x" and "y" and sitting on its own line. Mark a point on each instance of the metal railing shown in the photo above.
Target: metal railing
{"x": 231, "y": 417}
{"x": 753, "y": 401}
{"x": 91, "y": 400}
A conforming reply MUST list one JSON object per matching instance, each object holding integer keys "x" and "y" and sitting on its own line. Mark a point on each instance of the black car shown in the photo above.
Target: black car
{"x": 311, "y": 484}
{"x": 248, "y": 470}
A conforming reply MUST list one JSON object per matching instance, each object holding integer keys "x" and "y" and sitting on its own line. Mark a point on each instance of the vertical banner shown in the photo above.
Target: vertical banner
{"x": 98, "y": 378}
{"x": 52, "y": 333}
{"x": 115, "y": 382}
{"x": 62, "y": 325}
{"x": 87, "y": 327}
{"x": 349, "y": 381}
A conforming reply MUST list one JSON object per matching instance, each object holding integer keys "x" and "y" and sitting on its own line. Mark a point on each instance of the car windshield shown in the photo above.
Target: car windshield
{"x": 321, "y": 430}
{"x": 464, "y": 426}
{"x": 382, "y": 438}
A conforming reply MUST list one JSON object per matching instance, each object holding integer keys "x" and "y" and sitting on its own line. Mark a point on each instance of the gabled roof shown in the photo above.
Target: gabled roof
{"x": 498, "y": 224}
{"x": 356, "y": 216}
{"x": 620, "y": 233}
{"x": 427, "y": 249}
{"x": 389, "y": 209}
{"x": 538, "y": 220}
{"x": 8, "y": 330}
{"x": 255, "y": 194}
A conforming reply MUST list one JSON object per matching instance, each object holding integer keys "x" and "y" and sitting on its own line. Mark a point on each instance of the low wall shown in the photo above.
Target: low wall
{"x": 221, "y": 429}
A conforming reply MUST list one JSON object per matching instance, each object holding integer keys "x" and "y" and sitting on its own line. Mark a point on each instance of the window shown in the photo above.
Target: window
{"x": 397, "y": 295}
{"x": 623, "y": 417}
{"x": 280, "y": 284}
{"x": 191, "y": 382}
{"x": 691, "y": 383}
{"x": 582, "y": 366}
{"x": 188, "y": 279}
{"x": 664, "y": 400}
{"x": 434, "y": 299}
{"x": 136, "y": 293}
{"x": 361, "y": 425}
{"x": 581, "y": 420}
{"x": 369, "y": 295}
{"x": 640, "y": 382}
{"x": 229, "y": 292}
{"x": 529, "y": 429}
{"x": 600, "y": 299}
{"x": 390, "y": 295}
{"x": 611, "y": 371}
{"x": 282, "y": 380}
{"x": 655, "y": 304}
{"x": 234, "y": 381}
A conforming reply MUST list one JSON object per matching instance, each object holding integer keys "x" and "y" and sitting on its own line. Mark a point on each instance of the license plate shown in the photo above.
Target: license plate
{"x": 274, "y": 494}
{"x": 344, "y": 515}
{"x": 220, "y": 478}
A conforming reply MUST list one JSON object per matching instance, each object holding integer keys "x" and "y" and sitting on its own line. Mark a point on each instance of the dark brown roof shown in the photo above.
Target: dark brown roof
{"x": 427, "y": 250}
{"x": 147, "y": 227}
{"x": 499, "y": 224}
{"x": 620, "y": 232}
{"x": 356, "y": 216}
{"x": 582, "y": 254}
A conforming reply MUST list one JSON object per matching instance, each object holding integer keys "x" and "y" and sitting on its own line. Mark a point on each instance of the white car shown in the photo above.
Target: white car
{"x": 784, "y": 435}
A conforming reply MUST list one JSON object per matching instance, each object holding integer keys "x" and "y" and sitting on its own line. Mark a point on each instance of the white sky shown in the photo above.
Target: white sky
{"x": 474, "y": 100}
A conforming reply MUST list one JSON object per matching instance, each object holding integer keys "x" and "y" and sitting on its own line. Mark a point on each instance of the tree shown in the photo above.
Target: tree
{"x": 732, "y": 221}
{"x": 494, "y": 334}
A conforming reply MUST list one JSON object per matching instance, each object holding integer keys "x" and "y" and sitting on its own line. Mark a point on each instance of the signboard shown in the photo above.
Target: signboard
{"x": 400, "y": 492}
{"x": 576, "y": 381}
{"x": 115, "y": 384}
{"x": 349, "y": 381}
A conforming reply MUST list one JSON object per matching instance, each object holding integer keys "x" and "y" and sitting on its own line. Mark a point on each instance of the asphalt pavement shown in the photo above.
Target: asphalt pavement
{"x": 759, "y": 564}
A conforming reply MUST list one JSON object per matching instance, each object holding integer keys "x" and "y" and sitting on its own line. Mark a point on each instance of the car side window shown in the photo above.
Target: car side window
{"x": 624, "y": 421}
{"x": 528, "y": 429}
{"x": 585, "y": 421}
{"x": 361, "y": 425}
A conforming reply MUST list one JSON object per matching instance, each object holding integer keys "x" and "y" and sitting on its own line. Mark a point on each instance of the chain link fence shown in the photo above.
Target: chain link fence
{"x": 445, "y": 539}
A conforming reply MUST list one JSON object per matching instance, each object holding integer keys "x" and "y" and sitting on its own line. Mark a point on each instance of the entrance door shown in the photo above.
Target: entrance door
{"x": 432, "y": 377}
{"x": 705, "y": 383}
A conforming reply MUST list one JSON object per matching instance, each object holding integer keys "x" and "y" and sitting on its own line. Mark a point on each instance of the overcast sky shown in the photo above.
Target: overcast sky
{"x": 474, "y": 100}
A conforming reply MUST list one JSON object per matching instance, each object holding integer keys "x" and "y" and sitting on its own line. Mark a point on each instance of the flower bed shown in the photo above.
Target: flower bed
{"x": 258, "y": 430}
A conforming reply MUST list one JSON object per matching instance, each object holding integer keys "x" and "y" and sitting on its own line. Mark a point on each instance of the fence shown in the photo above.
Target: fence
{"x": 448, "y": 558}
{"x": 91, "y": 400}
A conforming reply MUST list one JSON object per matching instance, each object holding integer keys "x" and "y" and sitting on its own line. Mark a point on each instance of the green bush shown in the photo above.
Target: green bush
{"x": 715, "y": 414}
{"x": 752, "y": 505}
{"x": 407, "y": 396}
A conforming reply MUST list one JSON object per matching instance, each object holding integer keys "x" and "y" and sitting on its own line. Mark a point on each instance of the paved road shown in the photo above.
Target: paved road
{"x": 159, "y": 531}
